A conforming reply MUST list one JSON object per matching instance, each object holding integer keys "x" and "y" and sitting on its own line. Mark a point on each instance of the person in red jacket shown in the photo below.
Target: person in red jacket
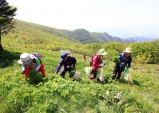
{"x": 97, "y": 62}
{"x": 29, "y": 62}
{"x": 84, "y": 57}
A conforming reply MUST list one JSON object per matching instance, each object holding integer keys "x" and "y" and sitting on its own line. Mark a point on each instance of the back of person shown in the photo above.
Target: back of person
{"x": 68, "y": 62}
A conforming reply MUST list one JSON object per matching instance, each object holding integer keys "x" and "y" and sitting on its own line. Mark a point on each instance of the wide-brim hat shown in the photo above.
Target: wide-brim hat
{"x": 128, "y": 50}
{"x": 26, "y": 58}
{"x": 102, "y": 52}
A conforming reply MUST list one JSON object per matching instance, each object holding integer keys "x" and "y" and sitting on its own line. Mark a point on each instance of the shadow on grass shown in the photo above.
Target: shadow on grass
{"x": 7, "y": 58}
{"x": 136, "y": 82}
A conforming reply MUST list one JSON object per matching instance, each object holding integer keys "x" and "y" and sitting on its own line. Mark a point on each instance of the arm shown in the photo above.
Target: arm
{"x": 38, "y": 64}
{"x": 129, "y": 61}
{"x": 58, "y": 67}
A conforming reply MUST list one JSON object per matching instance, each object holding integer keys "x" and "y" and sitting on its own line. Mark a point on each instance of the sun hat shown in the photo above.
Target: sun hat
{"x": 26, "y": 58}
{"x": 128, "y": 50}
{"x": 63, "y": 55}
{"x": 102, "y": 52}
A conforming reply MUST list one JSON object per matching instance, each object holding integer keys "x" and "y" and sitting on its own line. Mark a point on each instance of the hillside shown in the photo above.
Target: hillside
{"x": 58, "y": 95}
{"x": 43, "y": 34}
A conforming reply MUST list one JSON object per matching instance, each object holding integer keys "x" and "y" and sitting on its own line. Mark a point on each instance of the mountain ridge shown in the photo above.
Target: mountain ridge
{"x": 78, "y": 35}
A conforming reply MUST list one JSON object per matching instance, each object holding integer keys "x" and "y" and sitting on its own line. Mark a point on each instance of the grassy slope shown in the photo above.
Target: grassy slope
{"x": 67, "y": 96}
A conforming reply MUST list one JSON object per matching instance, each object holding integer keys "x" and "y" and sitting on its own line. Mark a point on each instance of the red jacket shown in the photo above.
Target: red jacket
{"x": 97, "y": 60}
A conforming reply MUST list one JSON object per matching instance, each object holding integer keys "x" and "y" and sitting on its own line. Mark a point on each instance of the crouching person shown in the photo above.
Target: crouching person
{"x": 125, "y": 60}
{"x": 30, "y": 62}
{"x": 68, "y": 62}
{"x": 97, "y": 62}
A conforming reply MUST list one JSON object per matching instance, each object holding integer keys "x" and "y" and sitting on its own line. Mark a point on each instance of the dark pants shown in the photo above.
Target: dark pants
{"x": 117, "y": 71}
{"x": 64, "y": 70}
{"x": 94, "y": 72}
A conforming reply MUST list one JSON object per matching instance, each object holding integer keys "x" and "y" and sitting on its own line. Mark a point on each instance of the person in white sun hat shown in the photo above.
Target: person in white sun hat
{"x": 29, "y": 62}
{"x": 97, "y": 62}
{"x": 125, "y": 60}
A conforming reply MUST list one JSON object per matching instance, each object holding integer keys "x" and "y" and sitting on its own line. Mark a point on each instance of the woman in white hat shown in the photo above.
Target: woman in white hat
{"x": 97, "y": 62}
{"x": 125, "y": 60}
{"x": 29, "y": 62}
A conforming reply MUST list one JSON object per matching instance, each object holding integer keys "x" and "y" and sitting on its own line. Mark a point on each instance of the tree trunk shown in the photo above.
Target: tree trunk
{"x": 1, "y": 48}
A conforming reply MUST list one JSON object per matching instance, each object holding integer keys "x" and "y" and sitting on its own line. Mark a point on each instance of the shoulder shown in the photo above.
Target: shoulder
{"x": 96, "y": 57}
{"x": 71, "y": 57}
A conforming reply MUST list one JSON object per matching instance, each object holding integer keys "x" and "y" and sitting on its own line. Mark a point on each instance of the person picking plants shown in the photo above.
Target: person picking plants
{"x": 30, "y": 62}
{"x": 97, "y": 62}
{"x": 124, "y": 61}
{"x": 68, "y": 62}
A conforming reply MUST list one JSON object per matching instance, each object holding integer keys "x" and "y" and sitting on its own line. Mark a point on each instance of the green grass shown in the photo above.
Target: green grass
{"x": 58, "y": 95}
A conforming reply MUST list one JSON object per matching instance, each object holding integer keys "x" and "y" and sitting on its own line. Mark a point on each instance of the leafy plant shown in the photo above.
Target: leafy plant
{"x": 115, "y": 59}
{"x": 35, "y": 77}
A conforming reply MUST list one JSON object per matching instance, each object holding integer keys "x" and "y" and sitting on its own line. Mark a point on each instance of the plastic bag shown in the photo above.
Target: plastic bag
{"x": 100, "y": 74}
{"x": 88, "y": 70}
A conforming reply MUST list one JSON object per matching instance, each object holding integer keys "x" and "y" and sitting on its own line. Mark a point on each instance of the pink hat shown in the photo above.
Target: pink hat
{"x": 26, "y": 58}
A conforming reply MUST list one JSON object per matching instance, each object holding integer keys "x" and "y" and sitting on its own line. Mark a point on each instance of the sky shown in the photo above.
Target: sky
{"x": 119, "y": 18}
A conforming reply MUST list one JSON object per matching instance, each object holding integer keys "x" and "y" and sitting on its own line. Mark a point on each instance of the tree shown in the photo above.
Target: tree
{"x": 7, "y": 14}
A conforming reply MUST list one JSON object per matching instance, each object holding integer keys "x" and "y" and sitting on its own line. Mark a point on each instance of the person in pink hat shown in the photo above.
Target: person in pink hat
{"x": 29, "y": 62}
{"x": 97, "y": 62}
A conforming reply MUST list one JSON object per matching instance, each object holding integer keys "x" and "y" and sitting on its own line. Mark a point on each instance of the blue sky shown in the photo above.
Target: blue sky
{"x": 120, "y": 18}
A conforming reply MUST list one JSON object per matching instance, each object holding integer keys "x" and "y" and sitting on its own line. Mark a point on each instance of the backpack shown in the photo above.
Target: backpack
{"x": 39, "y": 56}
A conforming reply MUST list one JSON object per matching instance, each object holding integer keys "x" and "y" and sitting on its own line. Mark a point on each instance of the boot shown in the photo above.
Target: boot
{"x": 91, "y": 77}
{"x": 98, "y": 80}
{"x": 23, "y": 72}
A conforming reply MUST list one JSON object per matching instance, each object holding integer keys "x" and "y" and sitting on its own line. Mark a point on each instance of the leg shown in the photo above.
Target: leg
{"x": 121, "y": 69}
{"x": 115, "y": 71}
{"x": 64, "y": 70}
{"x": 119, "y": 74}
{"x": 94, "y": 72}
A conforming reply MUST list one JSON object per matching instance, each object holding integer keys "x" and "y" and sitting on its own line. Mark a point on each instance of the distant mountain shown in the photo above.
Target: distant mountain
{"x": 143, "y": 39}
{"x": 129, "y": 40}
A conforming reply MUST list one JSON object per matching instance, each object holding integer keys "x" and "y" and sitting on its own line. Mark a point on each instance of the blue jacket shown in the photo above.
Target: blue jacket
{"x": 125, "y": 61}
{"x": 67, "y": 64}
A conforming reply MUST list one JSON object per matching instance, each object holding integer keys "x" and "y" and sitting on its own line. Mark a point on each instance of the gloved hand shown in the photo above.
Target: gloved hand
{"x": 102, "y": 64}
{"x": 73, "y": 68}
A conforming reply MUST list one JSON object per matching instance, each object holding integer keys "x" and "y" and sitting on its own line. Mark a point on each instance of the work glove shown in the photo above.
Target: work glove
{"x": 73, "y": 67}
{"x": 102, "y": 64}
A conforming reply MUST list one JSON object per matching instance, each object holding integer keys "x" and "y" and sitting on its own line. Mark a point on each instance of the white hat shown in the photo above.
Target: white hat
{"x": 128, "y": 50}
{"x": 26, "y": 58}
{"x": 102, "y": 52}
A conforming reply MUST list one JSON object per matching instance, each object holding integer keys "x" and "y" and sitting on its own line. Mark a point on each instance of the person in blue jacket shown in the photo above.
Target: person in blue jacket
{"x": 68, "y": 62}
{"x": 125, "y": 60}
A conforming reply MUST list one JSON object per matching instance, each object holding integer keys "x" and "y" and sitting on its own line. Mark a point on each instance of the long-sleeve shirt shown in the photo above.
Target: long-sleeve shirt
{"x": 125, "y": 60}
{"x": 71, "y": 61}
{"x": 96, "y": 62}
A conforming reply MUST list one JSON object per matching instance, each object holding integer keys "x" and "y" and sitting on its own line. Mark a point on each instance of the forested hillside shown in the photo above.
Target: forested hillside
{"x": 79, "y": 35}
